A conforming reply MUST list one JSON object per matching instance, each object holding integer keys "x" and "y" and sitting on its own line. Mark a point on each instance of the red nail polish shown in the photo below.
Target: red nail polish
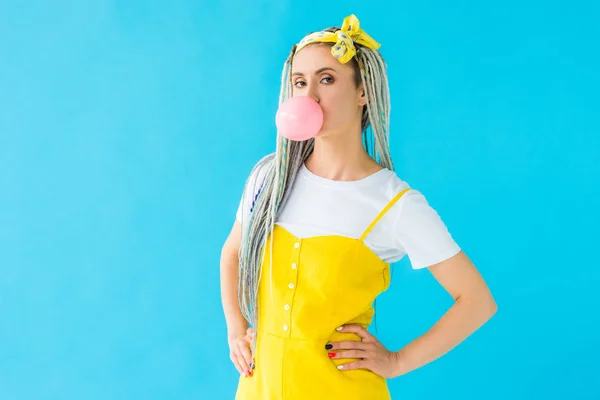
{"x": 331, "y": 355}
{"x": 249, "y": 373}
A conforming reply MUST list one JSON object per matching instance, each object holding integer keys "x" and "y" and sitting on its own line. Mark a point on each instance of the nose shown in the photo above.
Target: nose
{"x": 313, "y": 93}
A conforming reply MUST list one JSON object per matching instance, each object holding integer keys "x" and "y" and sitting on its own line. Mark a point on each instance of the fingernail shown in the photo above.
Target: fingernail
{"x": 328, "y": 346}
{"x": 339, "y": 328}
{"x": 331, "y": 355}
{"x": 340, "y": 366}
{"x": 251, "y": 366}
{"x": 249, "y": 373}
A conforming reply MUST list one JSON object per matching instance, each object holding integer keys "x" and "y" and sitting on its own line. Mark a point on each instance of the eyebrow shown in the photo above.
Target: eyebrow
{"x": 316, "y": 72}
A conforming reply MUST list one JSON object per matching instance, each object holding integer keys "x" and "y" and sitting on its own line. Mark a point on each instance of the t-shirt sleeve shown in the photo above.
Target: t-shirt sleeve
{"x": 251, "y": 190}
{"x": 421, "y": 233}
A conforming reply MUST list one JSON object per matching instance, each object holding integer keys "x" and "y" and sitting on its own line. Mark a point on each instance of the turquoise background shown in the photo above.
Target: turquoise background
{"x": 127, "y": 130}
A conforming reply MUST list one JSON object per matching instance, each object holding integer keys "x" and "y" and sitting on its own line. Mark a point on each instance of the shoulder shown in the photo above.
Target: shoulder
{"x": 263, "y": 165}
{"x": 411, "y": 207}
{"x": 392, "y": 185}
{"x": 253, "y": 184}
{"x": 259, "y": 170}
{"x": 418, "y": 228}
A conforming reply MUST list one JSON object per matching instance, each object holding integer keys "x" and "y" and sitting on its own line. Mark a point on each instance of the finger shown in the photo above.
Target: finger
{"x": 353, "y": 365}
{"x": 348, "y": 345}
{"x": 349, "y": 354}
{"x": 358, "y": 329}
{"x": 236, "y": 363}
{"x": 244, "y": 359}
{"x": 243, "y": 366}
{"x": 245, "y": 352}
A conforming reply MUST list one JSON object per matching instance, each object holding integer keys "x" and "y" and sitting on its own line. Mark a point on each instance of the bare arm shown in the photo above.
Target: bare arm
{"x": 473, "y": 306}
{"x": 236, "y": 323}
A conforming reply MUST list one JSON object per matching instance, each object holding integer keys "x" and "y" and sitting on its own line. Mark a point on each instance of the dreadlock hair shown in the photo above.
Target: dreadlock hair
{"x": 280, "y": 168}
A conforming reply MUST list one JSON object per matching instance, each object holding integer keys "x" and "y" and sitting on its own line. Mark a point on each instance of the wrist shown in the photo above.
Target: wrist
{"x": 399, "y": 364}
{"x": 236, "y": 332}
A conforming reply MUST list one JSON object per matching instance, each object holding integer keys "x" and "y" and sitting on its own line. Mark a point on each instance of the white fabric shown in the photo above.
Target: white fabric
{"x": 319, "y": 206}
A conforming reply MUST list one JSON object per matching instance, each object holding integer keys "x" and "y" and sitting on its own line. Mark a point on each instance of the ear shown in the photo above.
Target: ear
{"x": 363, "y": 96}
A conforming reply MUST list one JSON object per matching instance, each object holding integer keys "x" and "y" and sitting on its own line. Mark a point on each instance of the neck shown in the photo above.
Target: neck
{"x": 341, "y": 157}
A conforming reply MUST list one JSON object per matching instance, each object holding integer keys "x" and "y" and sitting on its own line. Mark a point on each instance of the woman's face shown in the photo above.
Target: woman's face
{"x": 315, "y": 73}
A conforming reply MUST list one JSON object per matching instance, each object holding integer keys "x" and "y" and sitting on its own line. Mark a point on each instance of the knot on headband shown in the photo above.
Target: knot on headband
{"x": 344, "y": 39}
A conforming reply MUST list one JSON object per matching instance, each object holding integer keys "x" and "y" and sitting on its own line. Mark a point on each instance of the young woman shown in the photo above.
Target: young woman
{"x": 319, "y": 223}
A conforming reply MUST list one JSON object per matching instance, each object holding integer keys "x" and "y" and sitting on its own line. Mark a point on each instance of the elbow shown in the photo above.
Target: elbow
{"x": 493, "y": 307}
{"x": 483, "y": 304}
{"x": 490, "y": 305}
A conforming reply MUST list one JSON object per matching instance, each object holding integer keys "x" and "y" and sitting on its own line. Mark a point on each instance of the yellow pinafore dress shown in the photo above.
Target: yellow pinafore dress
{"x": 318, "y": 283}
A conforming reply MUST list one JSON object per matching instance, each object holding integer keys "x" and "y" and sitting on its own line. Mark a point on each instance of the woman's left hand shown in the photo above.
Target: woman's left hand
{"x": 374, "y": 356}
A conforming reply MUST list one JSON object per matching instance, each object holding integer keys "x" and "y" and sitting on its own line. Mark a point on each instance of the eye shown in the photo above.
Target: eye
{"x": 329, "y": 80}
{"x": 299, "y": 82}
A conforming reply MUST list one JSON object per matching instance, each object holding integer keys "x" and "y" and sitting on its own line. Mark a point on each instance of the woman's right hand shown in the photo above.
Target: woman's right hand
{"x": 239, "y": 352}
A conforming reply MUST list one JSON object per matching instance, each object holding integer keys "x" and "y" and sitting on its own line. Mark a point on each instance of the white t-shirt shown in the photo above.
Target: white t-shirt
{"x": 319, "y": 206}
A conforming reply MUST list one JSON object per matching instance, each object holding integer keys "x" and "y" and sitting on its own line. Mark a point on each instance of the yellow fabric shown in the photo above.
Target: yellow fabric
{"x": 318, "y": 284}
{"x": 382, "y": 213}
{"x": 344, "y": 39}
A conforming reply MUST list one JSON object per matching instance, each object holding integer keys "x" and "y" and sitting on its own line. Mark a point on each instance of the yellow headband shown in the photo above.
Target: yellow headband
{"x": 344, "y": 39}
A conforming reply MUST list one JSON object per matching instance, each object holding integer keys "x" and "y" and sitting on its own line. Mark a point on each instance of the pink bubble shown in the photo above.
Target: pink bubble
{"x": 299, "y": 118}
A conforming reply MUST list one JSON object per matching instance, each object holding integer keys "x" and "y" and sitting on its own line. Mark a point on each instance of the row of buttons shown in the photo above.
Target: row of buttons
{"x": 291, "y": 286}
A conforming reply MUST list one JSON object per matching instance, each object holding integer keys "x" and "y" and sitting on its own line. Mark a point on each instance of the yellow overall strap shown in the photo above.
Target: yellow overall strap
{"x": 382, "y": 213}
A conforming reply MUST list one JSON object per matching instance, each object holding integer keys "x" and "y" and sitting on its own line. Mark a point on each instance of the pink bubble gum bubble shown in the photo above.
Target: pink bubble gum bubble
{"x": 299, "y": 118}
